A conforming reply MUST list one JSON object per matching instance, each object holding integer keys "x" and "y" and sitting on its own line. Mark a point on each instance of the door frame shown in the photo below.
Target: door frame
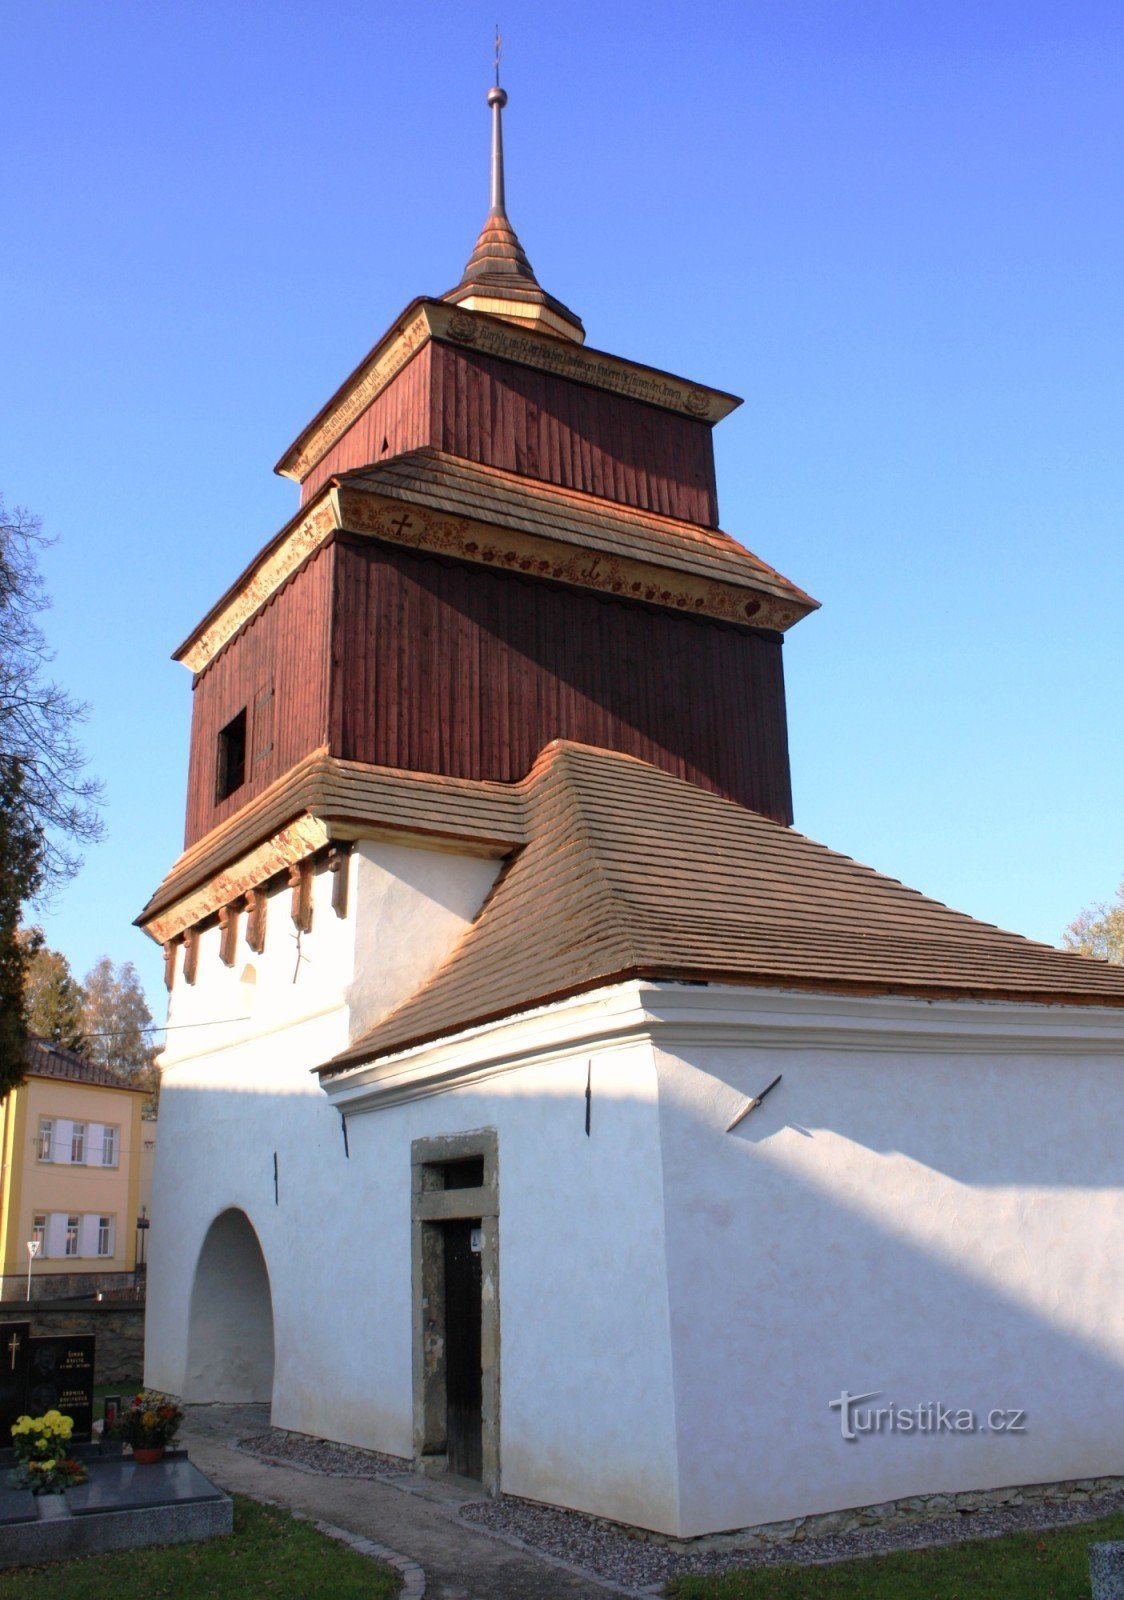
{"x": 431, "y": 1204}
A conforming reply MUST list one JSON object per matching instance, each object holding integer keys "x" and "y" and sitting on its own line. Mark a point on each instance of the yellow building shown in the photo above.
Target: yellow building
{"x": 72, "y": 1146}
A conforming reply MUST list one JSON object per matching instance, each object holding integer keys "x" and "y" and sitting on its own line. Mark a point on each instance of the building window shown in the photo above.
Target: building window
{"x": 46, "y": 1136}
{"x": 105, "y": 1236}
{"x": 39, "y": 1233}
{"x": 71, "y": 1236}
{"x": 230, "y": 771}
{"x": 78, "y": 1143}
{"x": 109, "y": 1146}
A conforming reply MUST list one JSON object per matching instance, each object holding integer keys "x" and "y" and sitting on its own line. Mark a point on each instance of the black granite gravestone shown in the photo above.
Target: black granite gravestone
{"x": 60, "y": 1377}
{"x": 15, "y": 1348}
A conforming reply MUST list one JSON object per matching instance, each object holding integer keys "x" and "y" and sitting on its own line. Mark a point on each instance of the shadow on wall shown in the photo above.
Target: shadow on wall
{"x": 932, "y": 1231}
{"x": 1011, "y": 1119}
{"x": 230, "y": 1328}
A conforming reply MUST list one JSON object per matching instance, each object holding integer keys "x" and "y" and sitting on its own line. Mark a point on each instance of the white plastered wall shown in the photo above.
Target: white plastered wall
{"x": 586, "y": 1394}
{"x": 935, "y": 1219}
{"x": 585, "y": 1374}
{"x": 237, "y": 1082}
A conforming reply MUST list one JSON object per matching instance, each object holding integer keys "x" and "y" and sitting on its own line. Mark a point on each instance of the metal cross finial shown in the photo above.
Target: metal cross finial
{"x": 497, "y": 99}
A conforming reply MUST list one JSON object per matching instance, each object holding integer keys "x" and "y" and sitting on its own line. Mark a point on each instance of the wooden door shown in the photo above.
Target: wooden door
{"x": 463, "y": 1386}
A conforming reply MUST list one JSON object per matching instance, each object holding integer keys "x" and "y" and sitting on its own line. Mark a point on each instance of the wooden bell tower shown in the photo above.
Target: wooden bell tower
{"x": 504, "y": 537}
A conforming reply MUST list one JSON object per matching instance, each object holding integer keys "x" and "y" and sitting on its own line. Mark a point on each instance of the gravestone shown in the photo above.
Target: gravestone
{"x": 60, "y": 1377}
{"x": 15, "y": 1349}
{"x": 1106, "y": 1570}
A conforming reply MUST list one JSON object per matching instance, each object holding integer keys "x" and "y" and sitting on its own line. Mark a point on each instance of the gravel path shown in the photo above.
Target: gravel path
{"x": 609, "y": 1552}
{"x": 635, "y": 1562}
{"x": 320, "y": 1455}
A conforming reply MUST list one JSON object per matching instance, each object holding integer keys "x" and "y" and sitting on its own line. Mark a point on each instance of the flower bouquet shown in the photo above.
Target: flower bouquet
{"x": 43, "y": 1460}
{"x": 149, "y": 1423}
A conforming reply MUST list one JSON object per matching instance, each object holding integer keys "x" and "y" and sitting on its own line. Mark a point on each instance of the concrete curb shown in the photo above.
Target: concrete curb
{"x": 413, "y": 1577}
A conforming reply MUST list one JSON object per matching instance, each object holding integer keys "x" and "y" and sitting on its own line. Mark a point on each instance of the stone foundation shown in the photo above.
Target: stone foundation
{"x": 891, "y": 1513}
{"x": 65, "y": 1285}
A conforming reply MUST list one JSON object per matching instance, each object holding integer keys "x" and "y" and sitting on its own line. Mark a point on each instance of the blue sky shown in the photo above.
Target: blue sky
{"x": 895, "y": 229}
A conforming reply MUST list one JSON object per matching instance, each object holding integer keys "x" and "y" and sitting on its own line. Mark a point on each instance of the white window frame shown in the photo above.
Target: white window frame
{"x": 45, "y": 1150}
{"x": 110, "y": 1144}
{"x": 78, "y": 1144}
{"x": 107, "y": 1230}
{"x": 39, "y": 1231}
{"x": 73, "y": 1229}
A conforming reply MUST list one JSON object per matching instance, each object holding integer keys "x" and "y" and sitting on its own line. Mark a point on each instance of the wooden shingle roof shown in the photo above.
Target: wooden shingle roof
{"x": 454, "y": 487}
{"x": 487, "y": 816}
{"x": 629, "y": 872}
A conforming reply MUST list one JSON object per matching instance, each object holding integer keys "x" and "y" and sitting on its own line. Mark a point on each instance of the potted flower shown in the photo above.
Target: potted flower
{"x": 149, "y": 1423}
{"x": 43, "y": 1460}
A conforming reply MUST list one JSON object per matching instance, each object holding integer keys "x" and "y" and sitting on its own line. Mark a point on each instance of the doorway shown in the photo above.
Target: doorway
{"x": 464, "y": 1387}
{"x": 456, "y": 1306}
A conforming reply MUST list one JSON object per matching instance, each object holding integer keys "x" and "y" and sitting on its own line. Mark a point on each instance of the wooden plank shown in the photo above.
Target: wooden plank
{"x": 470, "y": 672}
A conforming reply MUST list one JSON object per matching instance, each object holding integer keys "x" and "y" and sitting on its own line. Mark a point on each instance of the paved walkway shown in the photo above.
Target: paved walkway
{"x": 414, "y": 1516}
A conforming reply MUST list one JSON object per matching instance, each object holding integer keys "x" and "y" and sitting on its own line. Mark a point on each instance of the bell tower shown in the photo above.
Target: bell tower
{"x": 504, "y": 537}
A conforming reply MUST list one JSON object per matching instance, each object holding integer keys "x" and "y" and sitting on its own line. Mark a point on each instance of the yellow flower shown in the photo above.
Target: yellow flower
{"x": 149, "y": 1419}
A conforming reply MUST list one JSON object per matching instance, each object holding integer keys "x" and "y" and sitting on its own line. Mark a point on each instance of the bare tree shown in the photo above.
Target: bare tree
{"x": 1099, "y": 930}
{"x": 49, "y": 806}
{"x": 117, "y": 1022}
{"x": 38, "y": 717}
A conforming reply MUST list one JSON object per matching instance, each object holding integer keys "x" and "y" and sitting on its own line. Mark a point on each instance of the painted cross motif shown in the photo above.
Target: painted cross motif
{"x": 13, "y": 1349}
{"x": 404, "y": 521}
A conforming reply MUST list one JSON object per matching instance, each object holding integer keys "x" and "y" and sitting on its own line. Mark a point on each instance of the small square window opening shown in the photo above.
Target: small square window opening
{"x": 231, "y": 766}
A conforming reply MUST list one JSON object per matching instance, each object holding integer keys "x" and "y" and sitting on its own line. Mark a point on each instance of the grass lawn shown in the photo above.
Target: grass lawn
{"x": 1051, "y": 1565}
{"x": 269, "y": 1554}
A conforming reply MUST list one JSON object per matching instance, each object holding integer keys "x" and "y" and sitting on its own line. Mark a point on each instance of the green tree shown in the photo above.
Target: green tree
{"x": 52, "y": 997}
{"x": 1099, "y": 930}
{"x": 21, "y": 855}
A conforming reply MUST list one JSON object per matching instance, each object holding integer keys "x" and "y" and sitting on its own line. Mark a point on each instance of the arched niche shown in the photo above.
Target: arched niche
{"x": 230, "y": 1327}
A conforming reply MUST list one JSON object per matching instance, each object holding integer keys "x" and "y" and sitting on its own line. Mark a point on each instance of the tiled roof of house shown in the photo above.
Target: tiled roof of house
{"x": 483, "y": 814}
{"x": 502, "y": 499}
{"x": 629, "y": 872}
{"x": 42, "y": 1059}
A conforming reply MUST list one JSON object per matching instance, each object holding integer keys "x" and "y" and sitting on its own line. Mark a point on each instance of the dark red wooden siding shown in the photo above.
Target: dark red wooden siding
{"x": 284, "y": 647}
{"x": 543, "y": 427}
{"x": 440, "y": 667}
{"x": 400, "y": 415}
{"x": 563, "y": 432}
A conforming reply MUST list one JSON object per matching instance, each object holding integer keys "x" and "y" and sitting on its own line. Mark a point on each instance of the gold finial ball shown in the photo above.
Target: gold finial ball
{"x": 497, "y": 97}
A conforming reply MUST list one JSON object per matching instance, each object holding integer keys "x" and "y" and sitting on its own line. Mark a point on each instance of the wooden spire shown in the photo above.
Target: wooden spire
{"x": 498, "y": 277}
